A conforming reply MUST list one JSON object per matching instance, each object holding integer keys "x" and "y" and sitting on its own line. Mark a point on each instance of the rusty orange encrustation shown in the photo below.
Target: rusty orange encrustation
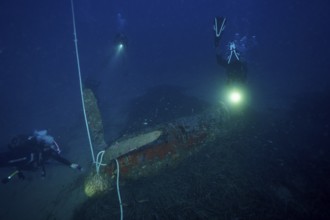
{"x": 177, "y": 141}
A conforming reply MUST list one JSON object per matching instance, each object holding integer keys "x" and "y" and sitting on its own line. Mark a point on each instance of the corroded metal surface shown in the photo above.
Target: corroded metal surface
{"x": 124, "y": 146}
{"x": 94, "y": 118}
{"x": 178, "y": 140}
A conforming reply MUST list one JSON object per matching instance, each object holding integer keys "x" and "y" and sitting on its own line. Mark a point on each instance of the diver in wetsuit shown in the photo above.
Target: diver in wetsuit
{"x": 235, "y": 67}
{"x": 32, "y": 152}
{"x": 120, "y": 39}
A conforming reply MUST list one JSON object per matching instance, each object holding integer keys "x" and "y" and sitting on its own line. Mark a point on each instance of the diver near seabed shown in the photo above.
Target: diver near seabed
{"x": 235, "y": 67}
{"x": 28, "y": 153}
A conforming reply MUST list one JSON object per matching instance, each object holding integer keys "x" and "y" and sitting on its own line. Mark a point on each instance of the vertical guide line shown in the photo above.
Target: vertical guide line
{"x": 80, "y": 81}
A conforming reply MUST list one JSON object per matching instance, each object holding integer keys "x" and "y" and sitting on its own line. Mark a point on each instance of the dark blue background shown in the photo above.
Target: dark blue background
{"x": 169, "y": 42}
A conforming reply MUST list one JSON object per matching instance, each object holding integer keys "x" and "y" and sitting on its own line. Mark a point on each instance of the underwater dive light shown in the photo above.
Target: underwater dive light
{"x": 235, "y": 96}
{"x": 120, "y": 46}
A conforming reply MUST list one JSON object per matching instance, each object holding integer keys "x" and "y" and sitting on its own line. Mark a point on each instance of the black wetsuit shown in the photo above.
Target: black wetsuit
{"x": 236, "y": 70}
{"x": 30, "y": 154}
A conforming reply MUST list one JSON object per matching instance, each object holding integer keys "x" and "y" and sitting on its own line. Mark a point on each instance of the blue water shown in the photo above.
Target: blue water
{"x": 169, "y": 45}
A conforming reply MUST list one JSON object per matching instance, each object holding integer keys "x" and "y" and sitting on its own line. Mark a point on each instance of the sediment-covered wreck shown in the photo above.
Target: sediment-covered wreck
{"x": 150, "y": 151}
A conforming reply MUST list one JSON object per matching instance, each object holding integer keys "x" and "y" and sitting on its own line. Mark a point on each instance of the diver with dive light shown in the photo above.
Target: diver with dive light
{"x": 120, "y": 38}
{"x": 235, "y": 67}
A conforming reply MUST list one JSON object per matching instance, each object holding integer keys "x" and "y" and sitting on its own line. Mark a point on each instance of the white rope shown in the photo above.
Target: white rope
{"x": 99, "y": 158}
{"x": 80, "y": 81}
{"x": 118, "y": 192}
{"x": 98, "y": 162}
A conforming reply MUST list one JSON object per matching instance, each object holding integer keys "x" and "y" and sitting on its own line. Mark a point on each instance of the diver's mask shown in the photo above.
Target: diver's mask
{"x": 232, "y": 50}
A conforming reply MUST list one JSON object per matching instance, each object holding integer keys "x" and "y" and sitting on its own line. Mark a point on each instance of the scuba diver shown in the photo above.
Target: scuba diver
{"x": 32, "y": 152}
{"x": 120, "y": 38}
{"x": 235, "y": 67}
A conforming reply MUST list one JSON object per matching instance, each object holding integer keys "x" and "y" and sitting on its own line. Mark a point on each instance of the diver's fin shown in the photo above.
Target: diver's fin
{"x": 219, "y": 26}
